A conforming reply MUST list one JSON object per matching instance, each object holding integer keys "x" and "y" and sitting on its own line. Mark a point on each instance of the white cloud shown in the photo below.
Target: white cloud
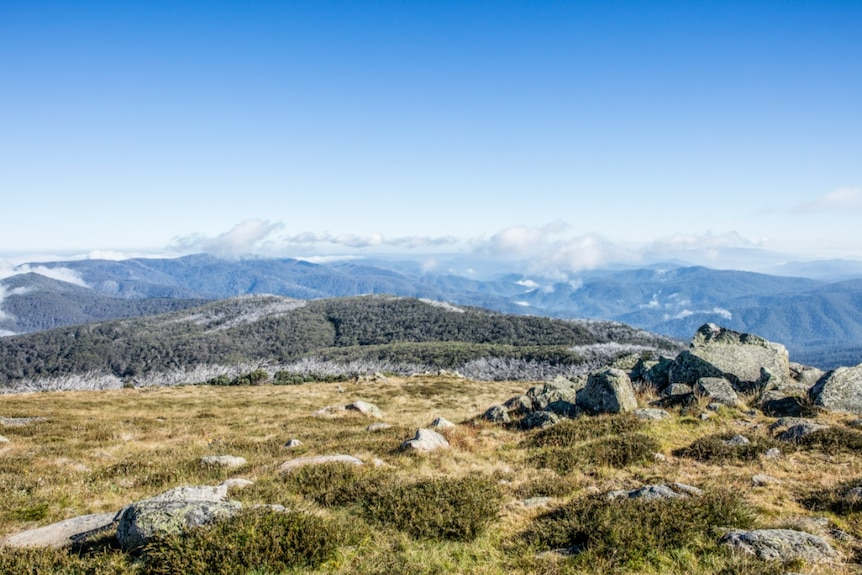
{"x": 722, "y": 312}
{"x": 244, "y": 238}
{"x": 325, "y": 239}
{"x": 527, "y": 283}
{"x": 843, "y": 199}
{"x": 702, "y": 242}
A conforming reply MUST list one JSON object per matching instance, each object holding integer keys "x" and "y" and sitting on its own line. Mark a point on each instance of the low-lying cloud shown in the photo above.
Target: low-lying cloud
{"x": 843, "y": 199}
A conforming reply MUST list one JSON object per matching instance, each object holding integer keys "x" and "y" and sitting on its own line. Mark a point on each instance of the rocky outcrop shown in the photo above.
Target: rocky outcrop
{"x": 747, "y": 361}
{"x": 425, "y": 441}
{"x": 659, "y": 491}
{"x": 441, "y": 424}
{"x": 61, "y": 534}
{"x": 781, "y": 545}
{"x": 173, "y": 512}
{"x": 651, "y": 414}
{"x": 840, "y": 390}
{"x": 496, "y": 414}
{"x": 609, "y": 391}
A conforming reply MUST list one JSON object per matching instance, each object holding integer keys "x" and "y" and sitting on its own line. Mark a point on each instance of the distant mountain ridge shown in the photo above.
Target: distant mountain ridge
{"x": 819, "y": 321}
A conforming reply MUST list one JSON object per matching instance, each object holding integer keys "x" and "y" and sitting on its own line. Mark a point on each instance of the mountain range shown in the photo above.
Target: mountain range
{"x": 819, "y": 320}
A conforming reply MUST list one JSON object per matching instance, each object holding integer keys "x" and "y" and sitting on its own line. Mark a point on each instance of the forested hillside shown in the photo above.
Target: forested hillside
{"x": 277, "y": 329}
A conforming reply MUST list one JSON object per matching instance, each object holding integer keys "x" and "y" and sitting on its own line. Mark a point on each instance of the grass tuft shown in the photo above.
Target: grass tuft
{"x": 585, "y": 428}
{"x": 712, "y": 448}
{"x": 617, "y": 451}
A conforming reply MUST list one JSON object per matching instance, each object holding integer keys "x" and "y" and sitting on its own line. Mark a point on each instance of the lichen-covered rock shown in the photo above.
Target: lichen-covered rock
{"x": 496, "y": 414}
{"x": 609, "y": 391}
{"x": 800, "y": 430}
{"x": 746, "y": 360}
{"x": 441, "y": 423}
{"x": 676, "y": 389}
{"x": 228, "y": 461}
{"x": 840, "y": 390}
{"x": 174, "y": 511}
{"x": 549, "y": 396}
{"x": 540, "y": 420}
{"x": 717, "y": 389}
{"x": 424, "y": 441}
{"x": 519, "y": 405}
{"x": 781, "y": 545}
{"x": 365, "y": 408}
{"x": 659, "y": 491}
{"x": 736, "y": 441}
{"x": 564, "y": 408}
{"x": 651, "y": 414}
{"x": 293, "y": 464}
{"x": 61, "y": 534}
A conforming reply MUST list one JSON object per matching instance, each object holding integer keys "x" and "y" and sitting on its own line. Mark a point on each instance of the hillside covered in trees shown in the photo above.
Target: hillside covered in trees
{"x": 278, "y": 330}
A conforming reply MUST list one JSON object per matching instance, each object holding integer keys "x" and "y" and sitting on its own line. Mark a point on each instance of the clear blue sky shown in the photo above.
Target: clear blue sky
{"x": 540, "y": 128}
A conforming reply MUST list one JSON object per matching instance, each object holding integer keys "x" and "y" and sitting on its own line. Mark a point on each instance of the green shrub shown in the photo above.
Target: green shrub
{"x": 585, "y": 428}
{"x": 332, "y": 484}
{"x": 254, "y": 540}
{"x": 832, "y": 441}
{"x": 630, "y": 532}
{"x": 835, "y": 498}
{"x": 712, "y": 448}
{"x": 40, "y": 561}
{"x": 443, "y": 508}
{"x": 620, "y": 451}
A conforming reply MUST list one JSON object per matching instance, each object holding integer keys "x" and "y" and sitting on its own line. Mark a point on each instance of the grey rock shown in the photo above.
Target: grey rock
{"x": 560, "y": 382}
{"x": 536, "y": 501}
{"x": 379, "y": 426}
{"x": 796, "y": 432}
{"x": 718, "y": 389}
{"x": 777, "y": 403}
{"x": 564, "y": 408}
{"x": 143, "y": 520}
{"x": 609, "y": 391}
{"x": 20, "y": 421}
{"x": 193, "y": 493}
{"x": 61, "y": 534}
{"x": 330, "y": 411}
{"x": 519, "y": 405}
{"x": 237, "y": 483}
{"x": 549, "y": 396}
{"x": 641, "y": 369}
{"x": 747, "y": 361}
{"x": 228, "y": 461}
{"x": 293, "y": 464}
{"x": 676, "y": 389}
{"x": 425, "y": 441}
{"x": 805, "y": 375}
{"x": 659, "y": 374}
{"x": 651, "y": 414}
{"x": 761, "y": 480}
{"x": 441, "y": 423}
{"x": 659, "y": 491}
{"x": 539, "y": 419}
{"x": 496, "y": 414}
{"x": 786, "y": 422}
{"x": 736, "y": 440}
{"x": 4, "y": 439}
{"x": 773, "y": 453}
{"x": 687, "y": 489}
{"x": 781, "y": 545}
{"x": 365, "y": 408}
{"x": 292, "y": 443}
{"x": 840, "y": 390}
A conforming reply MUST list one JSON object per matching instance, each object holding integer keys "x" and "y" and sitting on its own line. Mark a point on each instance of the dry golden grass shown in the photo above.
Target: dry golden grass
{"x": 97, "y": 451}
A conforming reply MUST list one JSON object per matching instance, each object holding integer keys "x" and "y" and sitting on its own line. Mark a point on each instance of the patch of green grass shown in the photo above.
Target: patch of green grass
{"x": 61, "y": 562}
{"x": 254, "y": 541}
{"x": 438, "y": 508}
{"x": 618, "y": 452}
{"x": 551, "y": 485}
{"x": 633, "y": 533}
{"x": 585, "y": 428}
{"x": 712, "y": 448}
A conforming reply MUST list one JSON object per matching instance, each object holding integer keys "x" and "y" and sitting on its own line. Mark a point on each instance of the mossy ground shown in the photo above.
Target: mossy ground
{"x": 97, "y": 451}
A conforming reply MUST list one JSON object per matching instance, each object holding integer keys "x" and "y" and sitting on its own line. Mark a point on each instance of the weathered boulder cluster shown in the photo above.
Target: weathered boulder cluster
{"x": 720, "y": 366}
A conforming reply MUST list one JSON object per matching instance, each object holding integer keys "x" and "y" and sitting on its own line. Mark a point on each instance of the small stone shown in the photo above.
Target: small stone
{"x": 737, "y": 440}
{"x": 797, "y": 432}
{"x": 330, "y": 411}
{"x": 659, "y": 457}
{"x": 440, "y": 423}
{"x": 229, "y": 461}
{"x": 4, "y": 439}
{"x": 781, "y": 545}
{"x": 379, "y": 426}
{"x": 704, "y": 416}
{"x": 292, "y": 443}
{"x": 237, "y": 483}
{"x": 772, "y": 453}
{"x": 651, "y": 414}
{"x": 761, "y": 480}
{"x": 540, "y": 420}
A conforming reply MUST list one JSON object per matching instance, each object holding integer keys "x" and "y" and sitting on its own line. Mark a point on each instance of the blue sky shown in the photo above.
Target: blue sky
{"x": 576, "y": 132}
